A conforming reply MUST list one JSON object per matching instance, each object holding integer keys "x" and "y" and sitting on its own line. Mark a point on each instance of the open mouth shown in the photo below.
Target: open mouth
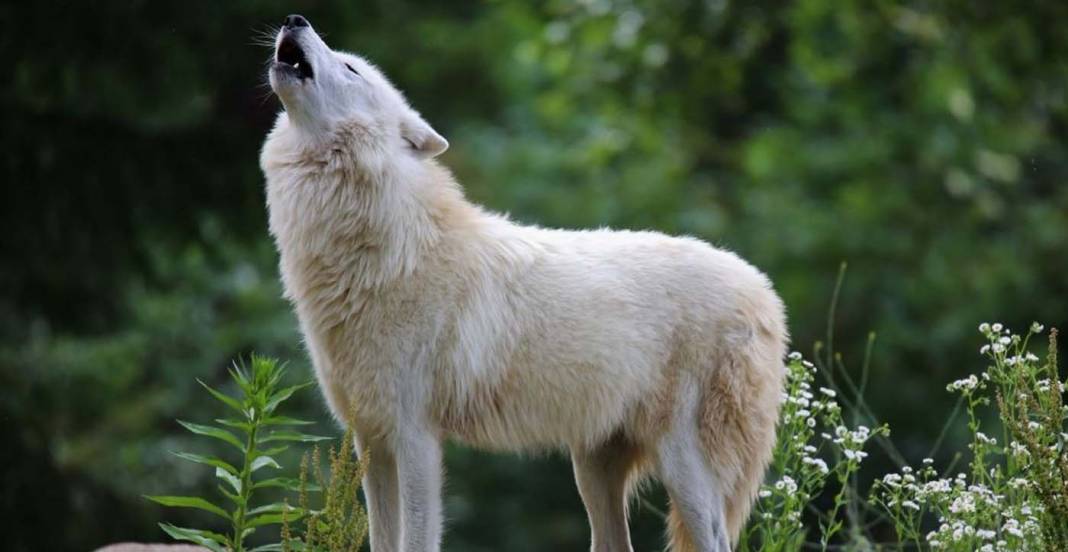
{"x": 290, "y": 53}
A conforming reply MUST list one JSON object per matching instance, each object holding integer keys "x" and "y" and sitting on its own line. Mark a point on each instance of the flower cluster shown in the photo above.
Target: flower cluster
{"x": 966, "y": 385}
{"x": 996, "y": 514}
{"x": 1014, "y": 496}
{"x": 814, "y": 447}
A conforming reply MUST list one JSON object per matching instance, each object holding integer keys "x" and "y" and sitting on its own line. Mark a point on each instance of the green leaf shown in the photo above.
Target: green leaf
{"x": 267, "y": 519}
{"x": 238, "y": 424}
{"x": 213, "y": 541}
{"x": 215, "y": 432}
{"x": 287, "y": 483}
{"x": 229, "y": 478}
{"x": 209, "y": 460}
{"x": 233, "y": 498}
{"x": 282, "y": 395}
{"x": 190, "y": 502}
{"x": 274, "y": 508}
{"x": 285, "y": 420}
{"x": 240, "y": 376}
{"x": 271, "y": 451}
{"x": 267, "y": 370}
{"x": 293, "y": 436}
{"x": 264, "y": 460}
{"x": 226, "y": 399}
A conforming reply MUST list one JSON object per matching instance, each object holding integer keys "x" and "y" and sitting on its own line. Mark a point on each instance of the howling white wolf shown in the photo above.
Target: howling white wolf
{"x": 428, "y": 318}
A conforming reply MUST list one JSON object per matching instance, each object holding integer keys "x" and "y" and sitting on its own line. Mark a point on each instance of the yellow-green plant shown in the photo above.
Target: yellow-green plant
{"x": 259, "y": 434}
{"x": 341, "y": 524}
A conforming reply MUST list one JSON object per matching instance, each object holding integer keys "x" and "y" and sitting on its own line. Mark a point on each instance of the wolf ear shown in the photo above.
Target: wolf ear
{"x": 425, "y": 141}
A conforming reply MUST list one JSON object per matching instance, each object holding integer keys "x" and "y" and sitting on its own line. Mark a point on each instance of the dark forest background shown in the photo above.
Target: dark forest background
{"x": 924, "y": 143}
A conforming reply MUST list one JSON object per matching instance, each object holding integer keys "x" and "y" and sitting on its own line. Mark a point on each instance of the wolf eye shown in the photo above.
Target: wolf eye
{"x": 349, "y": 67}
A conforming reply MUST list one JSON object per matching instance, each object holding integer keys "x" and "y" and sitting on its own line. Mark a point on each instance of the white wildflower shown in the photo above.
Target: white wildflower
{"x": 1012, "y": 527}
{"x": 1019, "y": 483}
{"x": 787, "y": 483}
{"x": 967, "y": 384}
{"x": 963, "y": 504}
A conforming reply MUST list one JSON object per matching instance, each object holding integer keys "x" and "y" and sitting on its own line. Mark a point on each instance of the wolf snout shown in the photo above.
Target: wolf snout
{"x": 294, "y": 21}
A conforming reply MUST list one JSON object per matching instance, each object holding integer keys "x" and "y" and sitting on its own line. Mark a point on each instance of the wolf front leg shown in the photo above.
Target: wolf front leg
{"x": 418, "y": 453}
{"x": 601, "y": 474}
{"x": 382, "y": 493}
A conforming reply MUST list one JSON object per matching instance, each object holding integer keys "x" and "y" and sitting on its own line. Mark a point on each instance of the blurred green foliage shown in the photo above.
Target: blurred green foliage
{"x": 924, "y": 143}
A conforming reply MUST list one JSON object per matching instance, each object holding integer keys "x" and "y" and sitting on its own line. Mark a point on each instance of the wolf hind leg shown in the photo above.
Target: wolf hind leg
{"x": 697, "y": 520}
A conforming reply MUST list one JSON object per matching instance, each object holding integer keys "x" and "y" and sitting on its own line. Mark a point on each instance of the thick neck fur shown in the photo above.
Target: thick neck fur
{"x": 351, "y": 209}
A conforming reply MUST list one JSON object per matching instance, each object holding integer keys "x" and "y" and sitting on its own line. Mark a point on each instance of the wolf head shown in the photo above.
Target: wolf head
{"x": 323, "y": 90}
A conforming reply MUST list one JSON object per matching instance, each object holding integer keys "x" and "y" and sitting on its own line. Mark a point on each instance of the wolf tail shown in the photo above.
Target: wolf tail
{"x": 737, "y": 416}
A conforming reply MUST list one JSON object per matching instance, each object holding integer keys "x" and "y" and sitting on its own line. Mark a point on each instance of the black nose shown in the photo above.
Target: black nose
{"x": 294, "y": 21}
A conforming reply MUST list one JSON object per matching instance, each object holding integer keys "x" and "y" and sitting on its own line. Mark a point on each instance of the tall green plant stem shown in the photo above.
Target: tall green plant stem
{"x": 246, "y": 483}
